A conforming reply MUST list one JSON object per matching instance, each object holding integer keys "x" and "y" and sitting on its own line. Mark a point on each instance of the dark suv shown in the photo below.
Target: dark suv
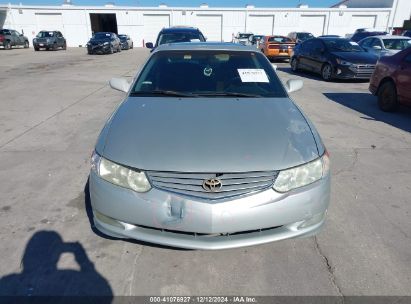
{"x": 177, "y": 34}
{"x": 49, "y": 40}
{"x": 358, "y": 36}
{"x": 10, "y": 38}
{"x": 104, "y": 43}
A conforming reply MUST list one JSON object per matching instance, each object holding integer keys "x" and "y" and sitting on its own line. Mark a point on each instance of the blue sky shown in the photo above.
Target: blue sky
{"x": 215, "y": 3}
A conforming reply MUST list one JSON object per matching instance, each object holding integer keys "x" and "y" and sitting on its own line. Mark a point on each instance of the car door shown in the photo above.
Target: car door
{"x": 317, "y": 57}
{"x": 304, "y": 59}
{"x": 404, "y": 79}
{"x": 60, "y": 39}
{"x": 15, "y": 38}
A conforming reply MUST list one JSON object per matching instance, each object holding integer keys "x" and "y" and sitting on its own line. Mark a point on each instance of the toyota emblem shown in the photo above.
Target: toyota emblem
{"x": 212, "y": 185}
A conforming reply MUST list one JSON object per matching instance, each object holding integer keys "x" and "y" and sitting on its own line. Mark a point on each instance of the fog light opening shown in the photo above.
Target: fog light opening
{"x": 108, "y": 220}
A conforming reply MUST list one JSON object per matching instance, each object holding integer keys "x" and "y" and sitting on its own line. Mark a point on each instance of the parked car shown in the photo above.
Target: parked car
{"x": 385, "y": 45}
{"x": 298, "y": 37}
{"x": 391, "y": 80}
{"x": 177, "y": 34}
{"x": 104, "y": 43}
{"x": 361, "y": 35}
{"x": 179, "y": 170}
{"x": 10, "y": 38}
{"x": 244, "y": 38}
{"x": 126, "y": 42}
{"x": 333, "y": 58}
{"x": 49, "y": 40}
{"x": 277, "y": 47}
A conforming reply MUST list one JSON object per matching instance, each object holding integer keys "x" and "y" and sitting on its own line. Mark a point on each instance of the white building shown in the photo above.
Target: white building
{"x": 219, "y": 24}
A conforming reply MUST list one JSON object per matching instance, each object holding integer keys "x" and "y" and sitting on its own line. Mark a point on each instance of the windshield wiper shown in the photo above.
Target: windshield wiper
{"x": 230, "y": 94}
{"x": 162, "y": 93}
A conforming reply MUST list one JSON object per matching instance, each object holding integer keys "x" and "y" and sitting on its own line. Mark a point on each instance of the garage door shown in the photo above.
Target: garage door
{"x": 313, "y": 24}
{"x": 49, "y": 22}
{"x": 211, "y": 26}
{"x": 153, "y": 24}
{"x": 361, "y": 22}
{"x": 260, "y": 25}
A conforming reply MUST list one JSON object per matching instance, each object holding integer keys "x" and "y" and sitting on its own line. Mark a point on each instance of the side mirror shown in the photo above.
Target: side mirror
{"x": 274, "y": 66}
{"x": 377, "y": 47}
{"x": 293, "y": 85}
{"x": 149, "y": 45}
{"x": 120, "y": 84}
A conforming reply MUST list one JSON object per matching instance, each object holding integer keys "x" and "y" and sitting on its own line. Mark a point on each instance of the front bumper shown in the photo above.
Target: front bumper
{"x": 99, "y": 49}
{"x": 180, "y": 221}
{"x": 42, "y": 45}
{"x": 352, "y": 72}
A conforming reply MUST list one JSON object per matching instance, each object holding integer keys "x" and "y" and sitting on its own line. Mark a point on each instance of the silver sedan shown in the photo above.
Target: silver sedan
{"x": 208, "y": 151}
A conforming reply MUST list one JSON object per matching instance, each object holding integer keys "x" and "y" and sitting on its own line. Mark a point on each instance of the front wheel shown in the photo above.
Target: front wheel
{"x": 387, "y": 97}
{"x": 65, "y": 46}
{"x": 132, "y": 46}
{"x": 294, "y": 65}
{"x": 7, "y": 45}
{"x": 26, "y": 44}
{"x": 36, "y": 49}
{"x": 327, "y": 72}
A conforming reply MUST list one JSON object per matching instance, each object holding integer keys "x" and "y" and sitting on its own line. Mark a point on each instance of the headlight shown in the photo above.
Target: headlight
{"x": 303, "y": 175}
{"x": 106, "y": 43}
{"x": 119, "y": 175}
{"x": 343, "y": 62}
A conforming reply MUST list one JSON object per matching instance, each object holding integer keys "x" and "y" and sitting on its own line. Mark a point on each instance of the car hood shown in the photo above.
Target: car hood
{"x": 208, "y": 135}
{"x": 357, "y": 57}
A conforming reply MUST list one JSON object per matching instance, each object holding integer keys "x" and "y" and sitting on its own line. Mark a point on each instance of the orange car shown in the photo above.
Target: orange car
{"x": 277, "y": 47}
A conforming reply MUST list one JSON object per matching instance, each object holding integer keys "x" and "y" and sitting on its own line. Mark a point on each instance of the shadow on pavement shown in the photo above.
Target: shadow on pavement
{"x": 41, "y": 277}
{"x": 367, "y": 104}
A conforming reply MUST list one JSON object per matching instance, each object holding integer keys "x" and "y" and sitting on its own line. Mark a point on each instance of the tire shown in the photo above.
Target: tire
{"x": 65, "y": 46}
{"x": 132, "y": 46}
{"x": 387, "y": 97}
{"x": 111, "y": 50}
{"x": 55, "y": 47}
{"x": 119, "y": 49}
{"x": 7, "y": 45}
{"x": 36, "y": 49}
{"x": 294, "y": 65}
{"x": 26, "y": 44}
{"x": 327, "y": 72}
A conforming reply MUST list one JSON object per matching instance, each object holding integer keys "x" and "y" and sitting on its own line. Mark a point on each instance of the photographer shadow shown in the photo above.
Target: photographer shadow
{"x": 41, "y": 277}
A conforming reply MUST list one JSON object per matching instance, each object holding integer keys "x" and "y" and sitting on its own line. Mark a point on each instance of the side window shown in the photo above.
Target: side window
{"x": 308, "y": 46}
{"x": 317, "y": 45}
{"x": 367, "y": 42}
{"x": 376, "y": 42}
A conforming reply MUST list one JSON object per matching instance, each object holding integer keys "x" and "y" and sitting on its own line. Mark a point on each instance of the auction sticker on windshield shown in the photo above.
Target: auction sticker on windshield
{"x": 253, "y": 75}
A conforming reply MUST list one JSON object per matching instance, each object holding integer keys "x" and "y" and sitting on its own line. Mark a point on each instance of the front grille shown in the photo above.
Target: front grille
{"x": 363, "y": 70}
{"x": 233, "y": 184}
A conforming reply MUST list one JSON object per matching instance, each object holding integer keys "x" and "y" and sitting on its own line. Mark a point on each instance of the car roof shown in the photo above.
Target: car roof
{"x": 206, "y": 46}
{"x": 389, "y": 37}
{"x": 179, "y": 29}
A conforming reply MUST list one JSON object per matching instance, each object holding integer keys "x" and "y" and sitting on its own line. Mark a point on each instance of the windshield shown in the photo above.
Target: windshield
{"x": 279, "y": 39}
{"x": 304, "y": 36}
{"x": 45, "y": 34}
{"x": 397, "y": 44}
{"x": 208, "y": 73}
{"x": 101, "y": 36}
{"x": 342, "y": 45}
{"x": 180, "y": 37}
